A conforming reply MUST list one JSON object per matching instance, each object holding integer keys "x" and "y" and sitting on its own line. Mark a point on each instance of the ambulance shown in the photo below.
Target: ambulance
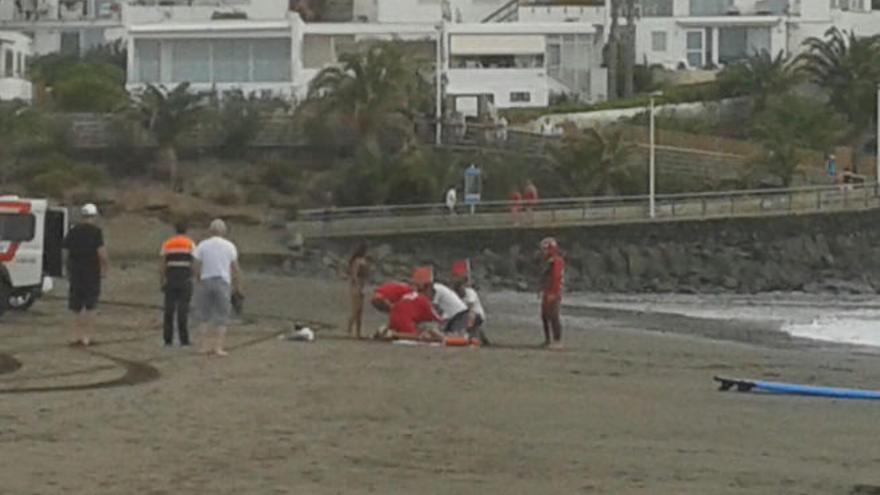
{"x": 31, "y": 237}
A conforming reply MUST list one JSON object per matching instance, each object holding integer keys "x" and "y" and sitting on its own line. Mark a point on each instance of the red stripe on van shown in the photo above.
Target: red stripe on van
{"x": 12, "y": 207}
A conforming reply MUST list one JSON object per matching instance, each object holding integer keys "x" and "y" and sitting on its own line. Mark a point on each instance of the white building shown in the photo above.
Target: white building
{"x": 700, "y": 34}
{"x": 512, "y": 64}
{"x": 70, "y": 27}
{"x": 16, "y": 50}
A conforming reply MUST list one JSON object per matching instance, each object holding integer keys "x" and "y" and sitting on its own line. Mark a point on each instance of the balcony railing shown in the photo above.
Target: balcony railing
{"x": 568, "y": 212}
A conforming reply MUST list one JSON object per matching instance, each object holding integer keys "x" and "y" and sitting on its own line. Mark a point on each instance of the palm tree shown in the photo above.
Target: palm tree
{"x": 760, "y": 77}
{"x": 847, "y": 67}
{"x": 167, "y": 116}
{"x": 629, "y": 52}
{"x": 369, "y": 91}
{"x": 593, "y": 162}
{"x": 612, "y": 51}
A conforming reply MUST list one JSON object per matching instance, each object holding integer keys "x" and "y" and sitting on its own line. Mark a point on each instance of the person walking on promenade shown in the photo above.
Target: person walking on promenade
{"x": 86, "y": 265}
{"x": 217, "y": 270}
{"x": 451, "y": 200}
{"x": 175, "y": 278}
{"x": 357, "y": 275}
{"x": 551, "y": 292}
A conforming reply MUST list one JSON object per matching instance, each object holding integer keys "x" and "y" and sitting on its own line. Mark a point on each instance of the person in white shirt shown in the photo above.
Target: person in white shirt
{"x": 218, "y": 276}
{"x": 451, "y": 309}
{"x": 451, "y": 200}
{"x": 476, "y": 312}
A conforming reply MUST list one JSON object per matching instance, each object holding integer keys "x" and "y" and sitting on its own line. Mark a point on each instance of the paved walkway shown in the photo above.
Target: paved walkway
{"x": 377, "y": 221}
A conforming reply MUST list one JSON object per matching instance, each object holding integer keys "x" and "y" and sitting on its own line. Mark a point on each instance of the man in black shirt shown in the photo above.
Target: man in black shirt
{"x": 86, "y": 265}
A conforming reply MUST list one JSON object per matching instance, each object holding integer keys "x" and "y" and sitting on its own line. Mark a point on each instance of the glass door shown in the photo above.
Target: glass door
{"x": 696, "y": 53}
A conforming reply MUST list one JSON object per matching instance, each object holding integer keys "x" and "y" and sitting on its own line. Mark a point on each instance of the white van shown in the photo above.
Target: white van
{"x": 31, "y": 237}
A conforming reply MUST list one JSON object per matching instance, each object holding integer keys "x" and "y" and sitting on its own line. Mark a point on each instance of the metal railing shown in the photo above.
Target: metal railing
{"x": 565, "y": 212}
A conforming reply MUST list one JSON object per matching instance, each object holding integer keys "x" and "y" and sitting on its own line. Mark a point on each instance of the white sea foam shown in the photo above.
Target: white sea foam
{"x": 841, "y": 319}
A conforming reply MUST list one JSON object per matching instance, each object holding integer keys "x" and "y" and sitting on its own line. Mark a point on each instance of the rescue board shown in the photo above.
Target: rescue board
{"x": 746, "y": 385}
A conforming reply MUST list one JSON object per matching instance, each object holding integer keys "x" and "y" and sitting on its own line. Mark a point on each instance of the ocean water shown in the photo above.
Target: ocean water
{"x": 841, "y": 319}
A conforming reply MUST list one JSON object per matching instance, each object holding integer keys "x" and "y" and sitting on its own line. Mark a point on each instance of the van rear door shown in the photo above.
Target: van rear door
{"x": 55, "y": 228}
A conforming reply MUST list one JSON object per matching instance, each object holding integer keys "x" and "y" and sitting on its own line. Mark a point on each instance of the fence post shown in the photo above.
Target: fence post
{"x": 732, "y": 201}
{"x": 819, "y": 200}
{"x": 704, "y": 205}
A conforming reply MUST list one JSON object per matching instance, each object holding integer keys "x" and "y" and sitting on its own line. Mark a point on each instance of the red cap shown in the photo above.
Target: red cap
{"x": 423, "y": 275}
{"x": 461, "y": 268}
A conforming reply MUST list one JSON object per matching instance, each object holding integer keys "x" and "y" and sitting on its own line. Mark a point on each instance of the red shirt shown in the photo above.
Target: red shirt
{"x": 411, "y": 309}
{"x": 392, "y": 291}
{"x": 552, "y": 283}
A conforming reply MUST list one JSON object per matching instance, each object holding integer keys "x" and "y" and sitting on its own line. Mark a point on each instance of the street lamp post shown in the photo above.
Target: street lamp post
{"x": 652, "y": 160}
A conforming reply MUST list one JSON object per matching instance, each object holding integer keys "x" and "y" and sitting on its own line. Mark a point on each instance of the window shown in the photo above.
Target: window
{"x": 709, "y": 7}
{"x": 232, "y": 61}
{"x": 147, "y": 57}
{"x": 70, "y": 43}
{"x": 520, "y": 97}
{"x": 656, "y": 8}
{"x": 191, "y": 61}
{"x": 658, "y": 41}
{"x": 19, "y": 68}
{"x": 271, "y": 60}
{"x": 16, "y": 228}
{"x": 8, "y": 63}
{"x": 695, "y": 48}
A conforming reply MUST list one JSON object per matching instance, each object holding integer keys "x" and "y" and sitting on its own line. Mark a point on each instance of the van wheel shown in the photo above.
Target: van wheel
{"x": 20, "y": 300}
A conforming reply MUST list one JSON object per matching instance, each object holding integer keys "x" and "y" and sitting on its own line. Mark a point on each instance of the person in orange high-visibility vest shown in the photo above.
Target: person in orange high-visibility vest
{"x": 175, "y": 277}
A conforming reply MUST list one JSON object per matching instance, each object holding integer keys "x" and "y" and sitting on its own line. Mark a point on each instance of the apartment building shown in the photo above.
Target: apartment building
{"x": 272, "y": 51}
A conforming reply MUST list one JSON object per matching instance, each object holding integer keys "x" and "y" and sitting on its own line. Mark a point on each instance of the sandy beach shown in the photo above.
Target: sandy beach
{"x": 628, "y": 407}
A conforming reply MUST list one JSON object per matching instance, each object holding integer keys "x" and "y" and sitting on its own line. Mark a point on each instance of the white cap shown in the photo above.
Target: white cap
{"x": 89, "y": 210}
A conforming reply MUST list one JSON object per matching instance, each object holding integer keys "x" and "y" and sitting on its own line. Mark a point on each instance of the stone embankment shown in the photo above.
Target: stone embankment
{"x": 835, "y": 252}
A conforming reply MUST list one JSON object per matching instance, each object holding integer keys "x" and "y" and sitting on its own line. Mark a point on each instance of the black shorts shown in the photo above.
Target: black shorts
{"x": 83, "y": 296}
{"x": 458, "y": 323}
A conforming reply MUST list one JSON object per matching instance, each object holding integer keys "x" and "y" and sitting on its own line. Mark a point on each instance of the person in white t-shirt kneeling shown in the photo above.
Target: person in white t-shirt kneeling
{"x": 461, "y": 275}
{"x": 451, "y": 309}
{"x": 218, "y": 276}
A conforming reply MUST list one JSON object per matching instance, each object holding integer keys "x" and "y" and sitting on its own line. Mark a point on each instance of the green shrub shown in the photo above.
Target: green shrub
{"x": 56, "y": 175}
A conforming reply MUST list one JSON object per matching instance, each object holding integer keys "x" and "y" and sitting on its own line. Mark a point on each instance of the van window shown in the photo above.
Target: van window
{"x": 17, "y": 228}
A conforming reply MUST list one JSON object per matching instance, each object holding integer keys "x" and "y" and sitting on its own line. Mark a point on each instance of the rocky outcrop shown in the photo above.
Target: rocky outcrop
{"x": 838, "y": 253}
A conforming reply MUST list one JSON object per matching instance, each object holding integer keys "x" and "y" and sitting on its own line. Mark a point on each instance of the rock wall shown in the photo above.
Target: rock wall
{"x": 837, "y": 252}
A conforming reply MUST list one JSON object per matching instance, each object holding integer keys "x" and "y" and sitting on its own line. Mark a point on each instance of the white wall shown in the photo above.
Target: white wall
{"x": 500, "y": 83}
{"x": 16, "y": 89}
{"x": 255, "y": 10}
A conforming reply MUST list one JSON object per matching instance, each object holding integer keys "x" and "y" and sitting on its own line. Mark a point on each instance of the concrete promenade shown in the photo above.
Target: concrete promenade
{"x": 571, "y": 212}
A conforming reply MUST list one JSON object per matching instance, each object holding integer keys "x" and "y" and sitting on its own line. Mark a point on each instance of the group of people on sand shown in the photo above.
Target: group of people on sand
{"x": 426, "y": 310}
{"x": 208, "y": 272}
{"x": 421, "y": 309}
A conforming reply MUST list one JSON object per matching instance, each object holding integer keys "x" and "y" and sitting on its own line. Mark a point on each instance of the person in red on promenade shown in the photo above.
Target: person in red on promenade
{"x": 515, "y": 205}
{"x": 386, "y": 295}
{"x": 551, "y": 293}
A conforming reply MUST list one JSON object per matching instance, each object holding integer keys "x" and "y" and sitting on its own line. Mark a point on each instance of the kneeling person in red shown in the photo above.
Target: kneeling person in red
{"x": 387, "y": 295}
{"x": 408, "y": 313}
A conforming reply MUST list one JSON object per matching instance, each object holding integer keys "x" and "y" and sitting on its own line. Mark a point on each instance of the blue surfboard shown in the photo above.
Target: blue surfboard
{"x": 795, "y": 389}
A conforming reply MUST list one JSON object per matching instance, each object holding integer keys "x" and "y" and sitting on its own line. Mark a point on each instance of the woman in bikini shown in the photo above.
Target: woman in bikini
{"x": 357, "y": 275}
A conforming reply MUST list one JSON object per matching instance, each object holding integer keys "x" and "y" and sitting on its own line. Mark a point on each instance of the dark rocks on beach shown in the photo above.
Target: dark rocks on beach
{"x": 827, "y": 253}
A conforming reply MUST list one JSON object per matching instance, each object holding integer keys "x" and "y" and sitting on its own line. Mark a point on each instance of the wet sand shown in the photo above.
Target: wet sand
{"x": 628, "y": 407}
